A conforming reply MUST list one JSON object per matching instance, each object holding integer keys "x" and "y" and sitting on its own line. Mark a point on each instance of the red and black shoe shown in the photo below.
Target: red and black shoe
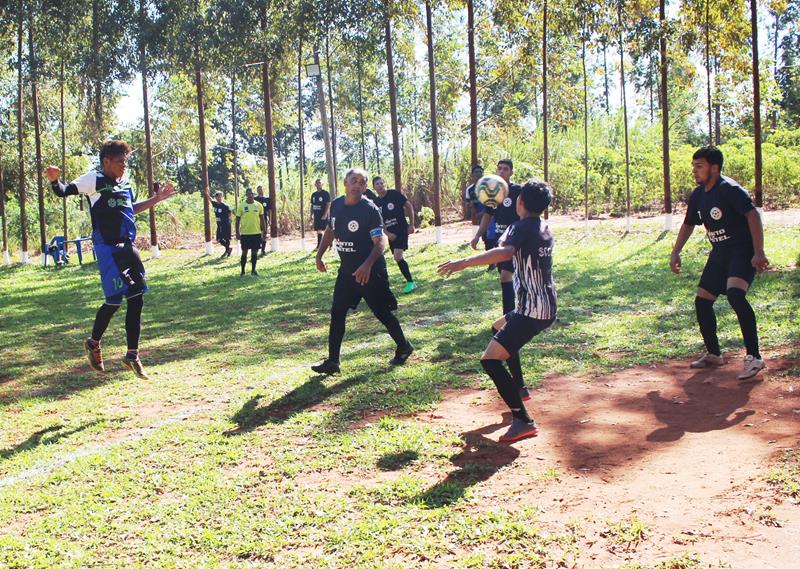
{"x": 519, "y": 430}
{"x": 94, "y": 355}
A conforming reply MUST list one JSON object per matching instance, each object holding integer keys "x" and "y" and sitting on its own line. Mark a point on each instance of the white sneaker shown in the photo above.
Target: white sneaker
{"x": 707, "y": 360}
{"x": 751, "y": 367}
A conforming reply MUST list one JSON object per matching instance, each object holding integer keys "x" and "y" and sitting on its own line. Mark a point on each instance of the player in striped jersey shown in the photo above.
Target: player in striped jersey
{"x": 529, "y": 243}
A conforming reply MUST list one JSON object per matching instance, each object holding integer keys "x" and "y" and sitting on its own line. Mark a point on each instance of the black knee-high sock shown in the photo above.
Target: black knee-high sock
{"x": 253, "y": 258}
{"x": 508, "y": 296}
{"x": 336, "y": 335}
{"x": 708, "y": 324}
{"x": 388, "y": 319}
{"x": 133, "y": 321}
{"x": 515, "y": 367}
{"x": 102, "y": 320}
{"x": 505, "y": 386}
{"x": 747, "y": 320}
{"x": 244, "y": 259}
{"x": 319, "y": 239}
{"x": 405, "y": 270}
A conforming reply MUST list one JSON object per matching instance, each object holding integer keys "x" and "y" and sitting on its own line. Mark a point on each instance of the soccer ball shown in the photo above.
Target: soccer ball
{"x": 491, "y": 190}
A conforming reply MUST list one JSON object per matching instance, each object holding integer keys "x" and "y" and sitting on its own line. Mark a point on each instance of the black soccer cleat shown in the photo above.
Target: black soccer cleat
{"x": 402, "y": 354}
{"x": 524, "y": 393}
{"x": 327, "y": 367}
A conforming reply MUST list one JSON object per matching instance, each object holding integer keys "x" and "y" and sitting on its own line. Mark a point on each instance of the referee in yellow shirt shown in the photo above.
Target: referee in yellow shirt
{"x": 250, "y": 229}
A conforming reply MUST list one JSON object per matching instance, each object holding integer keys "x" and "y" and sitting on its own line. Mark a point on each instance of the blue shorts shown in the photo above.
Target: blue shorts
{"x": 121, "y": 271}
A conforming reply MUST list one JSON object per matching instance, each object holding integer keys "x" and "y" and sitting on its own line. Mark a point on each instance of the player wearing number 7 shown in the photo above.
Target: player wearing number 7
{"x": 122, "y": 273}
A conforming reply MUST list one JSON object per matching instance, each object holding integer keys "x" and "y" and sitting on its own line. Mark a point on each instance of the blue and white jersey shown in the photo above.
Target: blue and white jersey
{"x": 111, "y": 207}
{"x": 533, "y": 267}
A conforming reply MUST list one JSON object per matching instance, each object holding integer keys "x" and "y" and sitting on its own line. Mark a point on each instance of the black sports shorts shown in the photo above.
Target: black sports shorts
{"x": 721, "y": 266}
{"x": 319, "y": 223}
{"x": 376, "y": 293}
{"x": 519, "y": 330}
{"x": 401, "y": 241}
{"x": 251, "y": 241}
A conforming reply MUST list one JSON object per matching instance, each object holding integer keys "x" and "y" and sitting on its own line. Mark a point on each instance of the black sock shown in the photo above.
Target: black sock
{"x": 102, "y": 319}
{"x": 508, "y": 296}
{"x": 388, "y": 319}
{"x": 336, "y": 335}
{"x": 515, "y": 367}
{"x": 133, "y": 321}
{"x": 244, "y": 259}
{"x": 319, "y": 239}
{"x": 708, "y": 323}
{"x": 253, "y": 259}
{"x": 747, "y": 320}
{"x": 505, "y": 386}
{"x": 405, "y": 270}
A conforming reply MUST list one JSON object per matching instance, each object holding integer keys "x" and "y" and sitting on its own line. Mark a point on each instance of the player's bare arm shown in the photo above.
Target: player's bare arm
{"x": 362, "y": 273}
{"x": 760, "y": 261}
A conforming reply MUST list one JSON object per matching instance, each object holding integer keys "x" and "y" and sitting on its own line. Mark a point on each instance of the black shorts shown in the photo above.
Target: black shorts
{"x": 506, "y": 266}
{"x": 224, "y": 234}
{"x": 250, "y": 241}
{"x": 401, "y": 241}
{"x": 320, "y": 224}
{"x": 721, "y": 266}
{"x": 376, "y": 293}
{"x": 519, "y": 330}
{"x": 489, "y": 242}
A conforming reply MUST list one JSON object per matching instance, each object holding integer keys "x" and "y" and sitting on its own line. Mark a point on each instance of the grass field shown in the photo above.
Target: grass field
{"x": 235, "y": 454}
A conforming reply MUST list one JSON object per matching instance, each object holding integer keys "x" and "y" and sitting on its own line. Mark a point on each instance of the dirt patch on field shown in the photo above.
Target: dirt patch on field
{"x": 683, "y": 453}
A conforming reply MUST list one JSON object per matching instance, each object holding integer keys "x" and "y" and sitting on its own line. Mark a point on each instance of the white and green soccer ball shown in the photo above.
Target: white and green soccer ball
{"x": 491, "y": 190}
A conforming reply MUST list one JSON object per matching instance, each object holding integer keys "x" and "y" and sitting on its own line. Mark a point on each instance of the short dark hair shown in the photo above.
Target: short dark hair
{"x": 710, "y": 154}
{"x": 114, "y": 148}
{"x": 507, "y": 162}
{"x": 536, "y": 195}
{"x": 375, "y": 179}
{"x": 477, "y": 167}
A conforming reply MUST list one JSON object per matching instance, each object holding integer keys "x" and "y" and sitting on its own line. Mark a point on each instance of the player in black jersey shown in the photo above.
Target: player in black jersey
{"x": 356, "y": 224}
{"x": 113, "y": 210}
{"x": 222, "y": 213}
{"x": 733, "y": 225}
{"x": 528, "y": 243}
{"x": 320, "y": 210}
{"x": 395, "y": 207}
{"x": 265, "y": 203}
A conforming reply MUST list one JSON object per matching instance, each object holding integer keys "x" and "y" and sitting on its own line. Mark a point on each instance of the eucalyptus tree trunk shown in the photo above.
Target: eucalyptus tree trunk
{"x": 625, "y": 120}
{"x": 756, "y": 105}
{"x": 23, "y": 215}
{"x": 148, "y": 139}
{"x": 201, "y": 116}
{"x": 392, "y": 98}
{"x": 662, "y": 46}
{"x": 437, "y": 212}
{"x": 37, "y": 136}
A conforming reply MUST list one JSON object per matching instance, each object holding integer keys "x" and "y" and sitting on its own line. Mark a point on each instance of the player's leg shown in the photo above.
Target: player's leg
{"x": 740, "y": 276}
{"x": 133, "y": 331}
{"x": 382, "y": 302}
{"x": 514, "y": 363}
{"x": 245, "y": 248}
{"x": 401, "y": 245}
{"x": 101, "y": 322}
{"x": 345, "y": 293}
{"x": 507, "y": 285}
{"x": 712, "y": 283}
{"x": 253, "y": 259}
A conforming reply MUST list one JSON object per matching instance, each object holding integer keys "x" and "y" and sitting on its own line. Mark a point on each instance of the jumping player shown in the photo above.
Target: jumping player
{"x": 222, "y": 212}
{"x": 122, "y": 273}
{"x": 251, "y": 230}
{"x": 266, "y": 204}
{"x": 395, "y": 207}
{"x": 356, "y": 224}
{"x": 734, "y": 228}
{"x": 320, "y": 209}
{"x": 529, "y": 242}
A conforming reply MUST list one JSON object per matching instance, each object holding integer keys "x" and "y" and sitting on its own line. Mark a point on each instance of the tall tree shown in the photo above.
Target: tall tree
{"x": 3, "y": 222}
{"x": 473, "y": 85}
{"x": 23, "y": 216}
{"x": 37, "y": 134}
{"x": 620, "y": 29}
{"x": 148, "y": 143}
{"x": 398, "y": 178}
{"x": 756, "y": 105}
{"x": 437, "y": 213}
{"x": 663, "y": 87}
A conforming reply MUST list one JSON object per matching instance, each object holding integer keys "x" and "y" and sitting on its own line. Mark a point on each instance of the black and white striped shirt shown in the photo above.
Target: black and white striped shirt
{"x": 533, "y": 267}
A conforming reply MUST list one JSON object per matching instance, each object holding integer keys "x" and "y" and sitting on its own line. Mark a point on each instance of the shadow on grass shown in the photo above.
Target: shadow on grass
{"x": 397, "y": 460}
{"x": 313, "y": 392}
{"x": 47, "y": 436}
{"x": 480, "y": 459}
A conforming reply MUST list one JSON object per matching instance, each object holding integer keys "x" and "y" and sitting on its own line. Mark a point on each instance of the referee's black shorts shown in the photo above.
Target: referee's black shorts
{"x": 250, "y": 241}
{"x": 376, "y": 293}
{"x": 519, "y": 330}
{"x": 722, "y": 266}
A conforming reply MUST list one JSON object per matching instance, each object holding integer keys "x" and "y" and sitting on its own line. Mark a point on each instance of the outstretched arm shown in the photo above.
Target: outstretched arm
{"x": 159, "y": 195}
{"x": 490, "y": 257}
{"x": 53, "y": 173}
